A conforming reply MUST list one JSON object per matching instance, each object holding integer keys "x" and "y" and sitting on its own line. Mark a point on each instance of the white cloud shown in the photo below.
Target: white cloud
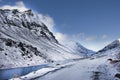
{"x": 84, "y": 37}
{"x": 104, "y": 36}
{"x": 79, "y": 36}
{"x": 87, "y": 41}
{"x": 62, "y": 38}
{"x": 18, "y": 5}
{"x": 47, "y": 20}
{"x": 90, "y": 38}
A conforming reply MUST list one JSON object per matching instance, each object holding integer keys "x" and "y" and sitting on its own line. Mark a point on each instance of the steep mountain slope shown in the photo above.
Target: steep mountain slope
{"x": 112, "y": 53}
{"x": 112, "y": 49}
{"x": 26, "y": 41}
{"x": 77, "y": 48}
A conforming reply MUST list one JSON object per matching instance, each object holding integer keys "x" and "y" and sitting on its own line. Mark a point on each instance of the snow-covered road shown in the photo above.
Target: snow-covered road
{"x": 87, "y": 69}
{"x": 84, "y": 69}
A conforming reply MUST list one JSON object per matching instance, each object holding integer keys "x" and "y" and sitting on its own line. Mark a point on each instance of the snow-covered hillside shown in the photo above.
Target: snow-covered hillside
{"x": 85, "y": 69}
{"x": 26, "y": 41}
{"x": 104, "y": 65}
{"x": 112, "y": 50}
{"x": 77, "y": 48}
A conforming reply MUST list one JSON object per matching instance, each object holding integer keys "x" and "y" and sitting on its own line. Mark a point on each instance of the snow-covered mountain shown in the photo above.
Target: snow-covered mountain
{"x": 77, "y": 48}
{"x": 112, "y": 49}
{"x": 104, "y": 65}
{"x": 26, "y": 41}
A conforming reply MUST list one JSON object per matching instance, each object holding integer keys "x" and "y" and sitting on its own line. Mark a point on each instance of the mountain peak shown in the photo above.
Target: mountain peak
{"x": 113, "y": 45}
{"x": 118, "y": 39}
{"x": 77, "y": 48}
{"x": 116, "y": 42}
{"x": 27, "y": 20}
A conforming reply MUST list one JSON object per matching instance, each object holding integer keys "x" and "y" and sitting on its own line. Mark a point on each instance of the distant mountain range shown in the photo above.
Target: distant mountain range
{"x": 77, "y": 48}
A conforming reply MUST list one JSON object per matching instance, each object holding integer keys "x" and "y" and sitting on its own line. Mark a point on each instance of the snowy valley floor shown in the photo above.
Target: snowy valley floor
{"x": 86, "y": 69}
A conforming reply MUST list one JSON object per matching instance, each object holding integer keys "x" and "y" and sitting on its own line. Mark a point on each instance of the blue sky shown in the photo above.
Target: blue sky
{"x": 93, "y": 23}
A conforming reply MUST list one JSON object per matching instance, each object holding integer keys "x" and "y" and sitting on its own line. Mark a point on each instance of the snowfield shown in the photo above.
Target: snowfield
{"x": 86, "y": 69}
